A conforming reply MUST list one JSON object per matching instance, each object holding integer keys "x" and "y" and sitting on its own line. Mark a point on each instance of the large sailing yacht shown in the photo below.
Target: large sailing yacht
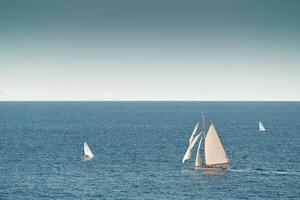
{"x": 213, "y": 150}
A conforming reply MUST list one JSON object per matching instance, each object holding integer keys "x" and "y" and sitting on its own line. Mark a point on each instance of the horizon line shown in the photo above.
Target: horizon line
{"x": 83, "y": 100}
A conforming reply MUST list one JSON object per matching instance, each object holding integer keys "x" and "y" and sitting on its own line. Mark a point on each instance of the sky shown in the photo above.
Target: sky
{"x": 213, "y": 50}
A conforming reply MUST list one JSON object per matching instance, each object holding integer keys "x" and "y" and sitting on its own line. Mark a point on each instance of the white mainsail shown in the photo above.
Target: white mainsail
{"x": 188, "y": 152}
{"x": 198, "y": 158}
{"x": 193, "y": 133}
{"x": 87, "y": 151}
{"x": 214, "y": 152}
{"x": 261, "y": 127}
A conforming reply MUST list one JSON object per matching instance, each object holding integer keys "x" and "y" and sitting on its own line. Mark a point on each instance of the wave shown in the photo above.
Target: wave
{"x": 265, "y": 171}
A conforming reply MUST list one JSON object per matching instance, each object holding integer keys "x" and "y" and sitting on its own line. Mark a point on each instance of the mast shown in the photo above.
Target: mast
{"x": 204, "y": 136}
{"x": 203, "y": 125}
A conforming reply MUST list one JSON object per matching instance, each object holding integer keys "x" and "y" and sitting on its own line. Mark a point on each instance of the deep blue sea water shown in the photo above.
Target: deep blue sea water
{"x": 138, "y": 147}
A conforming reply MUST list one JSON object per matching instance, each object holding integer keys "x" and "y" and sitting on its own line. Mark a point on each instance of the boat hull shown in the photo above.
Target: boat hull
{"x": 88, "y": 157}
{"x": 219, "y": 166}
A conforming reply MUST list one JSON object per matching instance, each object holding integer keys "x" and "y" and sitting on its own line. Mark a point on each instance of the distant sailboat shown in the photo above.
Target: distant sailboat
{"x": 214, "y": 153}
{"x": 261, "y": 127}
{"x": 87, "y": 152}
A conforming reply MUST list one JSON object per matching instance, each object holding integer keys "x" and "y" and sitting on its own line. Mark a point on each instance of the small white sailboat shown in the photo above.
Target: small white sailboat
{"x": 261, "y": 127}
{"x": 87, "y": 152}
{"x": 213, "y": 151}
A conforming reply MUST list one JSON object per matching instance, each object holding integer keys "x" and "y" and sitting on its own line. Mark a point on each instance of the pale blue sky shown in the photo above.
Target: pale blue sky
{"x": 149, "y": 50}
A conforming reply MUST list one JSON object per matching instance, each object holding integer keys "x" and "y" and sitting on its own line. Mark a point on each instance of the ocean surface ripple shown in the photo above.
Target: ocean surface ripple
{"x": 138, "y": 147}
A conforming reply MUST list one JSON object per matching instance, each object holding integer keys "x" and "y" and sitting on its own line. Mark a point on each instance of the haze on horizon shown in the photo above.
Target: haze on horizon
{"x": 150, "y": 50}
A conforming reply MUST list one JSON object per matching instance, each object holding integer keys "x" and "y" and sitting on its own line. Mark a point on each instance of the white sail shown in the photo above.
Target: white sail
{"x": 198, "y": 158}
{"x": 188, "y": 152}
{"x": 214, "y": 152}
{"x": 87, "y": 151}
{"x": 193, "y": 134}
{"x": 261, "y": 127}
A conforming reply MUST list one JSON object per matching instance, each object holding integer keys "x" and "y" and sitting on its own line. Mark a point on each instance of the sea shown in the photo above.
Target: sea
{"x": 138, "y": 148}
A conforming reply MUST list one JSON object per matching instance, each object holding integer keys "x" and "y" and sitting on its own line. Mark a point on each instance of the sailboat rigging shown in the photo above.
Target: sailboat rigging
{"x": 188, "y": 152}
{"x": 198, "y": 158}
{"x": 193, "y": 133}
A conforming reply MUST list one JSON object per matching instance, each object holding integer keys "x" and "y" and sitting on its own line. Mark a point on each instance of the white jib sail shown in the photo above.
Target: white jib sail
{"x": 87, "y": 151}
{"x": 193, "y": 133}
{"x": 214, "y": 152}
{"x": 188, "y": 152}
{"x": 261, "y": 127}
{"x": 198, "y": 158}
